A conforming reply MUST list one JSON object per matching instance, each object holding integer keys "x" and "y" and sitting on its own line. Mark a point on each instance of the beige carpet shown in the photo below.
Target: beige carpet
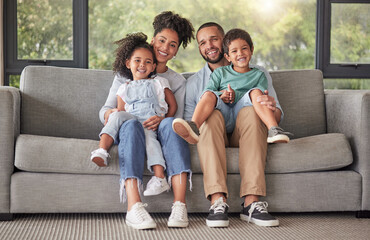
{"x": 112, "y": 226}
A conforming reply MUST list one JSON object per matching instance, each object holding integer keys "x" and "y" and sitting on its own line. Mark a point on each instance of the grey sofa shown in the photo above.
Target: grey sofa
{"x": 50, "y": 125}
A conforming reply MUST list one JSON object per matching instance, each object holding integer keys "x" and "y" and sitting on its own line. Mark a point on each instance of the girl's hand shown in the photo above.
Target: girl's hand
{"x": 108, "y": 112}
{"x": 153, "y": 122}
{"x": 267, "y": 100}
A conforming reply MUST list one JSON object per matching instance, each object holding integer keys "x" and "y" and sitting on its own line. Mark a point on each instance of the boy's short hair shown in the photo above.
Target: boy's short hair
{"x": 234, "y": 34}
{"x": 212, "y": 24}
{"x": 175, "y": 22}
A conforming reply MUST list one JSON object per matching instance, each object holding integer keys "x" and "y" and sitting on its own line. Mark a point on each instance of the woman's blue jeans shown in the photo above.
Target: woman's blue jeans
{"x": 131, "y": 152}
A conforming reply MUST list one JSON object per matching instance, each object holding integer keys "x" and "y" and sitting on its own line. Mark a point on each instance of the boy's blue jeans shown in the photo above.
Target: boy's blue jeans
{"x": 131, "y": 152}
{"x": 230, "y": 111}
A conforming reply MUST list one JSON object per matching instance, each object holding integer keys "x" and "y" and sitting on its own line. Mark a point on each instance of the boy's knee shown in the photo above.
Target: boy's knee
{"x": 209, "y": 96}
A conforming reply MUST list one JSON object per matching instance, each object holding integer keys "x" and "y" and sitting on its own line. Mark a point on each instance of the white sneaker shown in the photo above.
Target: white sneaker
{"x": 139, "y": 218}
{"x": 156, "y": 186}
{"x": 179, "y": 215}
{"x": 100, "y": 157}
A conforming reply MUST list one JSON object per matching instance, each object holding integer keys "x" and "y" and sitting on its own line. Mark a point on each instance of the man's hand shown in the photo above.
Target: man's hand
{"x": 153, "y": 122}
{"x": 267, "y": 100}
{"x": 228, "y": 96}
{"x": 108, "y": 112}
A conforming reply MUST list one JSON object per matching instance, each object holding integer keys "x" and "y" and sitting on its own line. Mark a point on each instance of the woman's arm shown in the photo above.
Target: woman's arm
{"x": 120, "y": 104}
{"x": 171, "y": 102}
{"x": 269, "y": 98}
{"x": 111, "y": 102}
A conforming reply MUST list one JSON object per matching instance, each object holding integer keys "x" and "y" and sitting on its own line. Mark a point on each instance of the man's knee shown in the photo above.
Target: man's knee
{"x": 215, "y": 120}
{"x": 247, "y": 116}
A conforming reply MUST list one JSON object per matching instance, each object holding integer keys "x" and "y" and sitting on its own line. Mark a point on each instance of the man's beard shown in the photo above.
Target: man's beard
{"x": 220, "y": 56}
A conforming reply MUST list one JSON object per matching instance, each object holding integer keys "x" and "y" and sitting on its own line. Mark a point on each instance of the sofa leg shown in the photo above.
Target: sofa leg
{"x": 363, "y": 214}
{"x": 6, "y": 216}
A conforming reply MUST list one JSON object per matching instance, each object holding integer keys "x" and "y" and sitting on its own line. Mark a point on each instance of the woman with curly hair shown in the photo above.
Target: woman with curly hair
{"x": 170, "y": 32}
{"x": 143, "y": 96}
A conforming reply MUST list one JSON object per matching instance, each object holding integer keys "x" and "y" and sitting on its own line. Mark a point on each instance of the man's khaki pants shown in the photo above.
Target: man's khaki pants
{"x": 250, "y": 136}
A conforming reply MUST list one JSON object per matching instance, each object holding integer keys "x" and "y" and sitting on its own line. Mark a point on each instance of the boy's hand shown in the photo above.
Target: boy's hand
{"x": 228, "y": 96}
{"x": 267, "y": 100}
{"x": 153, "y": 122}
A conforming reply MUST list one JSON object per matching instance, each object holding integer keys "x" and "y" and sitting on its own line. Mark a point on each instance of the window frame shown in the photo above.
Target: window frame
{"x": 323, "y": 34}
{"x": 14, "y": 66}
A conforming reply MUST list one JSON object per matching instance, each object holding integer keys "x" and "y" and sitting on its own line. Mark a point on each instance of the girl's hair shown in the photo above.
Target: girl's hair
{"x": 234, "y": 34}
{"x": 126, "y": 47}
{"x": 175, "y": 22}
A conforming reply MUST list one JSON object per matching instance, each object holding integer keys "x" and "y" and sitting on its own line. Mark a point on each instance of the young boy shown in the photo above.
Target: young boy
{"x": 230, "y": 89}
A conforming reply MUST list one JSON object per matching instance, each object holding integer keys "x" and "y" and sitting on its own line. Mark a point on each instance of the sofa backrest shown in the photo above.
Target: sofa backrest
{"x": 301, "y": 95}
{"x": 65, "y": 102}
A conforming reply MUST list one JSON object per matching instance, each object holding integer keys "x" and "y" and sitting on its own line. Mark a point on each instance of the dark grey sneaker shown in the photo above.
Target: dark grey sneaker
{"x": 217, "y": 216}
{"x": 256, "y": 213}
{"x": 188, "y": 130}
{"x": 278, "y": 135}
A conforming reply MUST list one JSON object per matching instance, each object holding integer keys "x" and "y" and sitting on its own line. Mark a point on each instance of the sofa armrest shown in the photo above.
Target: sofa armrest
{"x": 10, "y": 99}
{"x": 348, "y": 112}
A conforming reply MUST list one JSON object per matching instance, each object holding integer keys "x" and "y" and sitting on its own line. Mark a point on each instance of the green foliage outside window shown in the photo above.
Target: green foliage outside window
{"x": 283, "y": 31}
{"x": 45, "y": 29}
{"x": 14, "y": 81}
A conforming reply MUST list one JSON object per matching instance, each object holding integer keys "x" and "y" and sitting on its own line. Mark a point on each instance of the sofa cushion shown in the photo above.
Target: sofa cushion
{"x": 69, "y": 155}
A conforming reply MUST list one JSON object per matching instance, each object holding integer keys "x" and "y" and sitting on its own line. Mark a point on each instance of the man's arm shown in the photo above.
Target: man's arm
{"x": 191, "y": 97}
{"x": 180, "y": 100}
{"x": 270, "y": 98}
{"x": 171, "y": 102}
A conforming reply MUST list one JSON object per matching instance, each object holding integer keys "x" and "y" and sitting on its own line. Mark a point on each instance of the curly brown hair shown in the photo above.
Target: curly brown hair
{"x": 126, "y": 47}
{"x": 175, "y": 22}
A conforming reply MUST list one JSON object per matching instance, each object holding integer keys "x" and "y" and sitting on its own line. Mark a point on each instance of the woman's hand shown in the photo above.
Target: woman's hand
{"x": 108, "y": 112}
{"x": 153, "y": 122}
{"x": 267, "y": 100}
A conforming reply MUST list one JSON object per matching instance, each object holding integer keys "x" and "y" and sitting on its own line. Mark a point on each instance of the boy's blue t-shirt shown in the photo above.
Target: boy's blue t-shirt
{"x": 241, "y": 83}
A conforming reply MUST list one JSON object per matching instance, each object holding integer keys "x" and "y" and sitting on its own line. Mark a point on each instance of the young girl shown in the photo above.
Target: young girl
{"x": 144, "y": 96}
{"x": 230, "y": 89}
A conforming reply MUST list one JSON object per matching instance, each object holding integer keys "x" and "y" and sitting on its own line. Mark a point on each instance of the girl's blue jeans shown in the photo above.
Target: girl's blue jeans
{"x": 131, "y": 152}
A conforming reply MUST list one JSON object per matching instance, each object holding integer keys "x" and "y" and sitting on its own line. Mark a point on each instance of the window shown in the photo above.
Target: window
{"x": 44, "y": 32}
{"x": 47, "y": 36}
{"x": 343, "y": 45}
{"x": 283, "y": 31}
{"x": 288, "y": 34}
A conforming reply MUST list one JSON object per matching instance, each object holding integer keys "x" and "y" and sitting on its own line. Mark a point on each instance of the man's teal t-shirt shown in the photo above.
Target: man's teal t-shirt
{"x": 241, "y": 83}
